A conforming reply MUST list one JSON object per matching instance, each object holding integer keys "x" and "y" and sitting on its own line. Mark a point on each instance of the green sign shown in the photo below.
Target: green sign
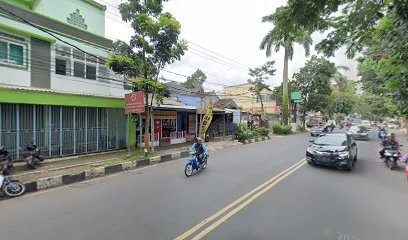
{"x": 296, "y": 95}
{"x": 298, "y": 101}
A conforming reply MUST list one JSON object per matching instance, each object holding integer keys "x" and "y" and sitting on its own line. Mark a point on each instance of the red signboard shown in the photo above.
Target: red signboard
{"x": 134, "y": 102}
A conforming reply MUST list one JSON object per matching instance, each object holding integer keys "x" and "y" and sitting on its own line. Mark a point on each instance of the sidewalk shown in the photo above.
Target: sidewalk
{"x": 75, "y": 164}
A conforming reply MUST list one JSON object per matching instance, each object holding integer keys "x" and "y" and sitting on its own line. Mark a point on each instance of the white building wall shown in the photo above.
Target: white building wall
{"x": 14, "y": 76}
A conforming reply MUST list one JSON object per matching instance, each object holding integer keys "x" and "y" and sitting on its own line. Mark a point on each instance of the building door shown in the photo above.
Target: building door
{"x": 157, "y": 127}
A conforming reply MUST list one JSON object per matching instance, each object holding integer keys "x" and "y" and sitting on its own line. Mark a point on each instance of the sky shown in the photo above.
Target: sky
{"x": 224, "y": 38}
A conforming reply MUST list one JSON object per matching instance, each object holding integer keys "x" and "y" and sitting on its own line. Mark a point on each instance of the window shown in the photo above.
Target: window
{"x": 91, "y": 72}
{"x": 63, "y": 60}
{"x": 61, "y": 66}
{"x": 12, "y": 53}
{"x": 79, "y": 69}
{"x": 3, "y": 52}
{"x": 84, "y": 65}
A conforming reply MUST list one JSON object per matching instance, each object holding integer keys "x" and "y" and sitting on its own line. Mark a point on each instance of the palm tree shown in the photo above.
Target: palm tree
{"x": 285, "y": 33}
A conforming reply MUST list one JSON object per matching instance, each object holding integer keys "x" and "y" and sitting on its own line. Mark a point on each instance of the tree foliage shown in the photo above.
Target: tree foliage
{"x": 378, "y": 29}
{"x": 313, "y": 80}
{"x": 259, "y": 76}
{"x": 196, "y": 80}
{"x": 154, "y": 44}
{"x": 285, "y": 33}
{"x": 343, "y": 97}
{"x": 277, "y": 92}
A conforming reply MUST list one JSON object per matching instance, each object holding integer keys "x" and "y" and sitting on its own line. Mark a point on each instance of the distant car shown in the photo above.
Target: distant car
{"x": 314, "y": 122}
{"x": 316, "y": 130}
{"x": 336, "y": 149}
{"x": 359, "y": 132}
{"x": 365, "y": 123}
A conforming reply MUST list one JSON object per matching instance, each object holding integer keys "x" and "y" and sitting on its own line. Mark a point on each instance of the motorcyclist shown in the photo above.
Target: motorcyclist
{"x": 200, "y": 149}
{"x": 332, "y": 126}
{"x": 389, "y": 142}
{"x": 382, "y": 133}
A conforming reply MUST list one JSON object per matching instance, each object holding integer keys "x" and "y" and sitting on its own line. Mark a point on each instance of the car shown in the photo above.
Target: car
{"x": 359, "y": 132}
{"x": 335, "y": 149}
{"x": 316, "y": 130}
{"x": 314, "y": 122}
{"x": 365, "y": 123}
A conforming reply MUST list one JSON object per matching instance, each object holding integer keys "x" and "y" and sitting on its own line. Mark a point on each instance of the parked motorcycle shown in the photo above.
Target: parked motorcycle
{"x": 192, "y": 164}
{"x": 6, "y": 161}
{"x": 11, "y": 187}
{"x": 391, "y": 157}
{"x": 32, "y": 155}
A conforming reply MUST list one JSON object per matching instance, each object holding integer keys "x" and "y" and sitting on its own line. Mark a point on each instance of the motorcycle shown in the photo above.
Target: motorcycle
{"x": 391, "y": 157}
{"x": 192, "y": 164}
{"x": 11, "y": 187}
{"x": 382, "y": 134}
{"x": 5, "y": 159}
{"x": 32, "y": 155}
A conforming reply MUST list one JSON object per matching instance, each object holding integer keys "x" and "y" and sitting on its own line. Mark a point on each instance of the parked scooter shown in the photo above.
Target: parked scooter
{"x": 192, "y": 164}
{"x": 32, "y": 155}
{"x": 6, "y": 160}
{"x": 391, "y": 156}
{"x": 10, "y": 186}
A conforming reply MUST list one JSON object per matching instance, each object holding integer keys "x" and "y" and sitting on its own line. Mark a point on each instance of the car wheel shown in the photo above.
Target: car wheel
{"x": 355, "y": 158}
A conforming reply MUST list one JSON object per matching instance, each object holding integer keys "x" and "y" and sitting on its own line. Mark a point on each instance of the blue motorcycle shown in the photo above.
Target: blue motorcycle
{"x": 192, "y": 164}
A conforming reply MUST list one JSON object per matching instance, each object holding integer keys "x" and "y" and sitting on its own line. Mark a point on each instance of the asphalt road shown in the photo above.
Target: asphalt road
{"x": 303, "y": 202}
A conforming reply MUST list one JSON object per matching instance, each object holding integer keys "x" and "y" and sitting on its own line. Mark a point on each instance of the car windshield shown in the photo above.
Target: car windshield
{"x": 317, "y": 127}
{"x": 333, "y": 140}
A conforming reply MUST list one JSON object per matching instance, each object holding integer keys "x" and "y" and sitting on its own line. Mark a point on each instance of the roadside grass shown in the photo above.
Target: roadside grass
{"x": 130, "y": 158}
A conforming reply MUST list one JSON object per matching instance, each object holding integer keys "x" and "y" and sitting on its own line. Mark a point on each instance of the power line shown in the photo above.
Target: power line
{"x": 216, "y": 61}
{"x": 201, "y": 52}
{"x": 219, "y": 55}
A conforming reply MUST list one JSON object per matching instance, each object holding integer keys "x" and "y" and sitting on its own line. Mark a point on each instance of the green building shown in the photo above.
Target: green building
{"x": 54, "y": 88}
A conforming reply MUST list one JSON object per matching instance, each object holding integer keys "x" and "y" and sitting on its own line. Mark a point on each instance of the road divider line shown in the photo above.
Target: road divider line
{"x": 236, "y": 202}
{"x": 244, "y": 204}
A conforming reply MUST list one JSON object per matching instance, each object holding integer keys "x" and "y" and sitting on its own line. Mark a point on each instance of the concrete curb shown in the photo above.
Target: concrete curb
{"x": 50, "y": 182}
{"x": 256, "y": 140}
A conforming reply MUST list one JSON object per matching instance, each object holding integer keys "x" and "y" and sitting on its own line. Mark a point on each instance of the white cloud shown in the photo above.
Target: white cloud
{"x": 231, "y": 28}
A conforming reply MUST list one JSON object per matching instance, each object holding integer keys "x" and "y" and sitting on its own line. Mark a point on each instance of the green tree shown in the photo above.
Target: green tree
{"x": 285, "y": 33}
{"x": 155, "y": 44}
{"x": 313, "y": 80}
{"x": 379, "y": 29}
{"x": 259, "y": 76}
{"x": 277, "y": 92}
{"x": 373, "y": 107}
{"x": 343, "y": 96}
{"x": 196, "y": 80}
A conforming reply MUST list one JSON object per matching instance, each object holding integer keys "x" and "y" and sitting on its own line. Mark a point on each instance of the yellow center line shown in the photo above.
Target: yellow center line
{"x": 233, "y": 204}
{"x": 240, "y": 207}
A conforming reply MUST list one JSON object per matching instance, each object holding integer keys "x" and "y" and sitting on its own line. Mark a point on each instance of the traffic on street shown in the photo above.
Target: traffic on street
{"x": 204, "y": 119}
{"x": 259, "y": 191}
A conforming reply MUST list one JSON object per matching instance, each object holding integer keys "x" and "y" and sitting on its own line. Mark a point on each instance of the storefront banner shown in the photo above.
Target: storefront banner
{"x": 206, "y": 121}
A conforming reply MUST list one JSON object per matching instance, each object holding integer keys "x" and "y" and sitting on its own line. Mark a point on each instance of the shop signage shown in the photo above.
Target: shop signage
{"x": 206, "y": 121}
{"x": 134, "y": 102}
